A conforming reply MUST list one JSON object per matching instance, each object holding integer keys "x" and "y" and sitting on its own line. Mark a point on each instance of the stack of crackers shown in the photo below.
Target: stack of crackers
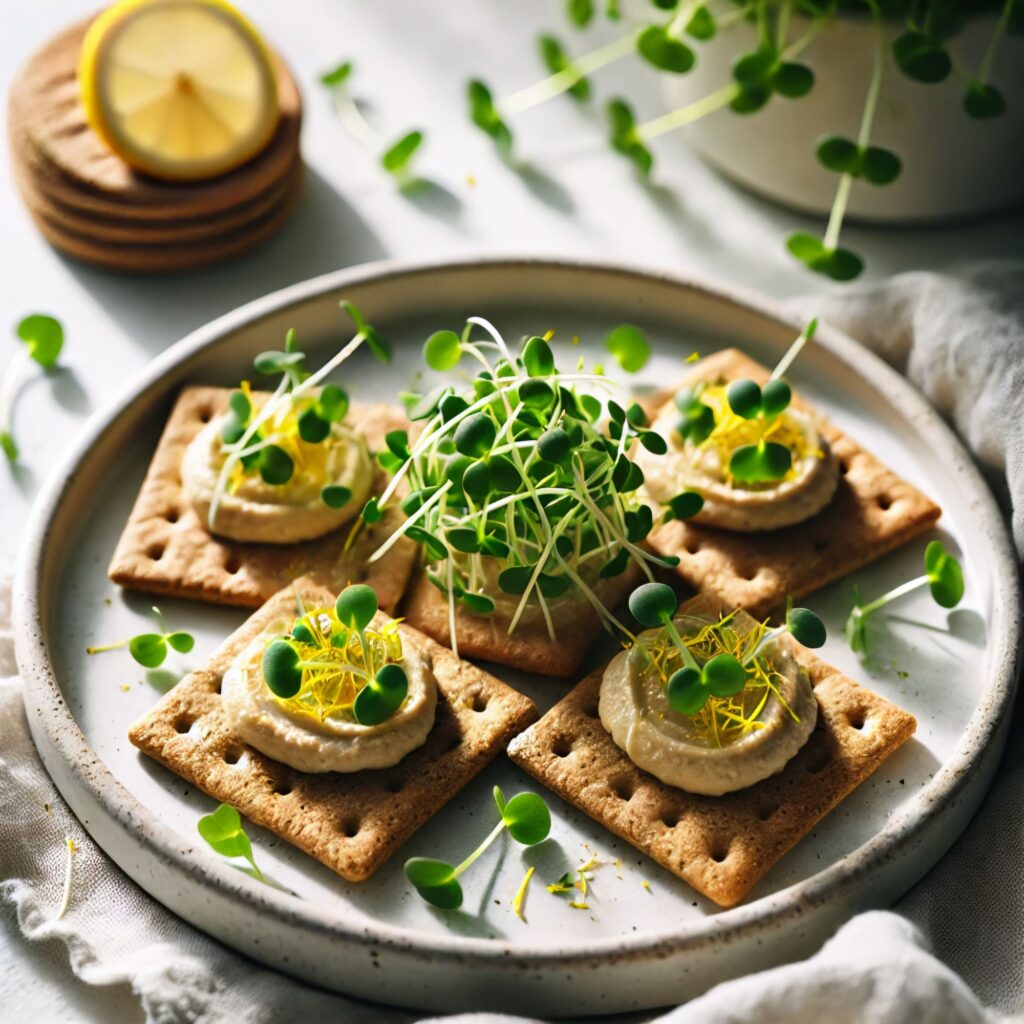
{"x": 91, "y": 205}
{"x": 721, "y": 846}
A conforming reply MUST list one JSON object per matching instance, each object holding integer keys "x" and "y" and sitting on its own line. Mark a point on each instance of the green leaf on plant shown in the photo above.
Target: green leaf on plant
{"x": 945, "y": 577}
{"x": 382, "y": 696}
{"x": 838, "y": 264}
{"x": 919, "y": 58}
{"x": 702, "y": 25}
{"x": 337, "y": 75}
{"x": 664, "y": 51}
{"x": 335, "y": 496}
{"x": 526, "y": 817}
{"x": 44, "y": 337}
{"x": 9, "y": 447}
{"x": 396, "y": 158}
{"x": 484, "y": 114}
{"x": 442, "y": 350}
{"x": 148, "y": 649}
{"x": 764, "y": 462}
{"x": 625, "y": 138}
{"x": 792, "y": 80}
{"x": 628, "y": 344}
{"x": 984, "y": 101}
{"x": 685, "y": 505}
{"x": 557, "y": 61}
{"x": 580, "y": 12}
{"x": 839, "y": 154}
{"x": 434, "y": 880}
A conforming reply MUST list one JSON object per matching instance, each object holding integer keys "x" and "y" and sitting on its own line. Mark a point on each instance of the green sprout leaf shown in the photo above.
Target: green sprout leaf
{"x": 538, "y": 359}
{"x": 181, "y": 642}
{"x": 698, "y": 419}
{"x": 764, "y": 462}
{"x": 223, "y": 831}
{"x": 983, "y": 101}
{"x": 872, "y": 163}
{"x": 945, "y": 577}
{"x": 8, "y": 445}
{"x": 664, "y": 51}
{"x": 313, "y": 428}
{"x": 838, "y": 264}
{"x": 44, "y": 338}
{"x": 442, "y": 350}
{"x": 558, "y": 61}
{"x": 555, "y": 446}
{"x": 686, "y": 692}
{"x": 148, "y": 649}
{"x": 744, "y": 397}
{"x": 580, "y": 12}
{"x": 475, "y": 435}
{"x": 335, "y": 496}
{"x": 276, "y": 465}
{"x": 372, "y": 512}
{"x": 273, "y": 362}
{"x": 684, "y": 506}
{"x": 374, "y": 341}
{"x": 702, "y": 25}
{"x": 806, "y": 627}
{"x": 356, "y": 606}
{"x": 722, "y": 676}
{"x": 628, "y": 344}
{"x": 382, "y": 696}
{"x": 919, "y": 58}
{"x": 484, "y": 114}
{"x": 775, "y": 398}
{"x": 435, "y": 881}
{"x": 526, "y": 817}
{"x": 625, "y": 137}
{"x": 332, "y": 404}
{"x": 652, "y": 603}
{"x": 792, "y": 80}
{"x": 337, "y": 75}
{"x": 397, "y": 157}
{"x": 282, "y": 669}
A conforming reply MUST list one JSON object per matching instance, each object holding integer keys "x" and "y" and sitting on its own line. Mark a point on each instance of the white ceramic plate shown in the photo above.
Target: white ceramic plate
{"x": 633, "y": 949}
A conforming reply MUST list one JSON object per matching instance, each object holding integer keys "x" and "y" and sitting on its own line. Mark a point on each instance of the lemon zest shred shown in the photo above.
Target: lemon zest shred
{"x": 68, "y": 872}
{"x": 517, "y": 903}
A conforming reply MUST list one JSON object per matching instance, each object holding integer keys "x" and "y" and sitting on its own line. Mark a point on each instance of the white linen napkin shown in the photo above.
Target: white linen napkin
{"x": 961, "y": 340}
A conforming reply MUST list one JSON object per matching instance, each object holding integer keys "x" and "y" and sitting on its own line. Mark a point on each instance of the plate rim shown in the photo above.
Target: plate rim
{"x": 982, "y": 737}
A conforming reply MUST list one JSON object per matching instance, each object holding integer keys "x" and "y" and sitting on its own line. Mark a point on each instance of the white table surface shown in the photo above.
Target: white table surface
{"x": 412, "y": 60}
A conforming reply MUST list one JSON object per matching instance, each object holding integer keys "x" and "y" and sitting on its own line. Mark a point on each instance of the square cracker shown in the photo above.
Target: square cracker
{"x": 351, "y": 822}
{"x": 166, "y": 549}
{"x": 724, "y": 845}
{"x": 873, "y": 512}
{"x": 530, "y": 648}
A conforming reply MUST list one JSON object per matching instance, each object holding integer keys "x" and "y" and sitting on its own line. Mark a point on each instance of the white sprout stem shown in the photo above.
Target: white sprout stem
{"x": 892, "y": 595}
{"x": 677, "y": 25}
{"x": 535, "y": 575}
{"x": 353, "y": 121}
{"x": 493, "y": 332}
{"x": 563, "y": 81}
{"x": 411, "y": 521}
{"x": 472, "y": 858}
{"x": 68, "y": 874}
{"x": 769, "y": 637}
{"x": 269, "y": 409}
{"x": 782, "y": 29}
{"x": 451, "y": 608}
{"x": 9, "y": 387}
{"x": 793, "y": 351}
{"x": 839, "y": 204}
{"x": 680, "y": 644}
{"x": 985, "y": 68}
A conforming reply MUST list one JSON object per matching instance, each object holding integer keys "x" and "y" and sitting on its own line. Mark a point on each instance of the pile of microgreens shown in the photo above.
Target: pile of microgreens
{"x": 223, "y": 831}
{"x": 512, "y": 484}
{"x": 395, "y": 157}
{"x": 943, "y": 577}
{"x": 745, "y": 422}
{"x": 271, "y": 440}
{"x": 332, "y": 664}
{"x": 716, "y": 677}
{"x": 150, "y": 649}
{"x": 528, "y": 821}
{"x": 913, "y": 35}
{"x": 43, "y": 339}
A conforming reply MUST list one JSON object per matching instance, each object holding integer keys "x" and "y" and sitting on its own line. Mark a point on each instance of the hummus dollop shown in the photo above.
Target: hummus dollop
{"x": 731, "y": 504}
{"x": 334, "y": 743}
{"x": 254, "y": 511}
{"x": 634, "y": 709}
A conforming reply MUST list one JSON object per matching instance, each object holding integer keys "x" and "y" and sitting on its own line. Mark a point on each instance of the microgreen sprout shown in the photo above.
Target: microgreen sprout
{"x": 333, "y": 664}
{"x": 628, "y": 344}
{"x": 223, "y": 831}
{"x": 150, "y": 649}
{"x": 395, "y": 156}
{"x": 43, "y": 339}
{"x": 744, "y": 423}
{"x": 942, "y": 575}
{"x": 716, "y": 677}
{"x": 298, "y": 426}
{"x": 528, "y": 822}
{"x": 513, "y": 490}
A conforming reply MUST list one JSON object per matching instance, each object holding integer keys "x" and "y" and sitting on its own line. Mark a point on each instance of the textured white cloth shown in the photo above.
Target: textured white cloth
{"x": 962, "y": 342}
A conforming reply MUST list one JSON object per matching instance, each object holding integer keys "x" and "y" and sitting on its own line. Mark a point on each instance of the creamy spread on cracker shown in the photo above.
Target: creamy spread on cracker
{"x": 730, "y": 744}
{"x": 327, "y": 721}
{"x": 703, "y": 465}
{"x": 251, "y": 509}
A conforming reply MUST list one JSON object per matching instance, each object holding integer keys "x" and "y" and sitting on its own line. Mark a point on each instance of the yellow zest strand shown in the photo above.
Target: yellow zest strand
{"x": 68, "y": 871}
{"x": 517, "y": 903}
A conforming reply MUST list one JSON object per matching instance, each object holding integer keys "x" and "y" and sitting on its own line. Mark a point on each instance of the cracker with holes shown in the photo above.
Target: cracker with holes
{"x": 765, "y": 499}
{"x": 713, "y": 744}
{"x": 336, "y": 728}
{"x": 250, "y": 490}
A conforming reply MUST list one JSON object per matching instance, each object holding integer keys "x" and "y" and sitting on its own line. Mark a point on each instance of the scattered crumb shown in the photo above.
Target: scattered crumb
{"x": 693, "y": 357}
{"x": 107, "y": 600}
{"x": 647, "y": 886}
{"x": 125, "y": 687}
{"x": 48, "y": 808}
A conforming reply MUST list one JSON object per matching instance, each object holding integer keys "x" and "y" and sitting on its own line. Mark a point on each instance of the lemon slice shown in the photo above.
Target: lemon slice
{"x": 179, "y": 89}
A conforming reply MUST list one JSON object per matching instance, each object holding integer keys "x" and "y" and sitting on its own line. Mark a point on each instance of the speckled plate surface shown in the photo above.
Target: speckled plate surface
{"x": 634, "y": 948}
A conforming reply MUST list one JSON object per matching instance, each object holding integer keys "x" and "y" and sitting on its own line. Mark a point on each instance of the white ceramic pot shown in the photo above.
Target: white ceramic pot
{"x": 953, "y": 165}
